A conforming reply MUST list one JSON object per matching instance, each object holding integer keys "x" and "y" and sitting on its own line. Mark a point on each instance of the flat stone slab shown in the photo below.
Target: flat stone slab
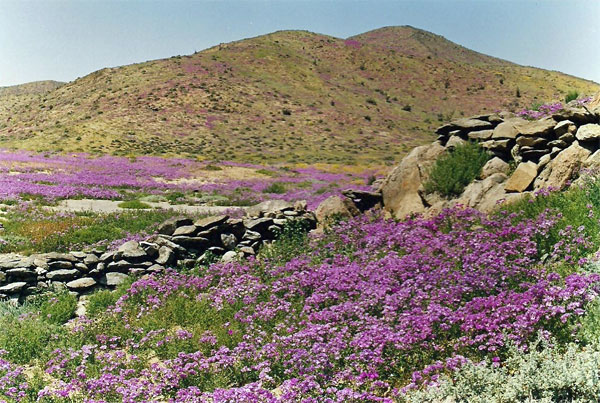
{"x": 522, "y": 177}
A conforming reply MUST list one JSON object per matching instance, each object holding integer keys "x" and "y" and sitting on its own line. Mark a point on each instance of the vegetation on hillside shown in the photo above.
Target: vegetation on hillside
{"x": 290, "y": 96}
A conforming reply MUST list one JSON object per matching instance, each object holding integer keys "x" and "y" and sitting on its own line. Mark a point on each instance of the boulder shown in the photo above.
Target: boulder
{"x": 269, "y": 206}
{"x": 485, "y": 194}
{"x": 229, "y": 256}
{"x": 577, "y": 115}
{"x": 400, "y": 188}
{"x": 81, "y": 284}
{"x": 130, "y": 250}
{"x": 536, "y": 128}
{"x": 113, "y": 279}
{"x": 493, "y": 166}
{"x": 165, "y": 256}
{"x": 229, "y": 241}
{"x": 335, "y": 207}
{"x": 564, "y": 127}
{"x": 589, "y": 132}
{"x": 363, "y": 199}
{"x": 60, "y": 256}
{"x": 522, "y": 177}
{"x": 481, "y": 135}
{"x": 497, "y": 145}
{"x": 508, "y": 129}
{"x": 206, "y": 223}
{"x": 59, "y": 264}
{"x": 170, "y": 225}
{"x": 62, "y": 274}
{"x": 531, "y": 141}
{"x": 454, "y": 142}
{"x": 186, "y": 230}
{"x": 13, "y": 288}
{"x": 465, "y": 124}
{"x": 563, "y": 168}
{"x": 258, "y": 224}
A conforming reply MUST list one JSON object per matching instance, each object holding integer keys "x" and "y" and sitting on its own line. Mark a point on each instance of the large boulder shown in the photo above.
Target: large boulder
{"x": 465, "y": 124}
{"x": 335, "y": 207}
{"x": 522, "y": 177}
{"x": 484, "y": 194}
{"x": 508, "y": 129}
{"x": 536, "y": 128}
{"x": 563, "y": 168}
{"x": 400, "y": 189}
{"x": 493, "y": 166}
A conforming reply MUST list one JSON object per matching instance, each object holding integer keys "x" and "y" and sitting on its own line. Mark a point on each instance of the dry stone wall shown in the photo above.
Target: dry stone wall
{"x": 179, "y": 242}
{"x": 528, "y": 155}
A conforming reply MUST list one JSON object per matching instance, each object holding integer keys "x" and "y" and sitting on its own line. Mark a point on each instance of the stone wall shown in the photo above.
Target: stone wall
{"x": 179, "y": 242}
{"x": 527, "y": 155}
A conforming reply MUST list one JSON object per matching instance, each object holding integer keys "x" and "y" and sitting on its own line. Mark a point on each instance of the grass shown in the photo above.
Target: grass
{"x": 134, "y": 204}
{"x": 453, "y": 171}
{"x": 571, "y": 96}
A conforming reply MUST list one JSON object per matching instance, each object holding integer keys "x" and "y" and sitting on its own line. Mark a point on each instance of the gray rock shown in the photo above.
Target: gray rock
{"x": 252, "y": 236}
{"x": 217, "y": 250}
{"x": 61, "y": 256}
{"x": 62, "y": 274}
{"x": 81, "y": 284}
{"x": 187, "y": 230}
{"x": 205, "y": 223}
{"x": 150, "y": 248}
{"x": 454, "y": 142}
{"x": 576, "y": 115}
{"x": 567, "y": 138}
{"x": 21, "y": 273}
{"x": 269, "y": 206}
{"x": 258, "y": 224}
{"x": 191, "y": 242}
{"x": 481, "y": 135}
{"x": 229, "y": 241}
{"x": 113, "y": 279}
{"x": 169, "y": 226}
{"x": 108, "y": 256}
{"x": 156, "y": 268}
{"x": 90, "y": 259}
{"x": 466, "y": 124}
{"x": 229, "y": 256}
{"x": 507, "y": 129}
{"x": 165, "y": 256}
{"x": 131, "y": 251}
{"x": 82, "y": 267}
{"x": 558, "y": 143}
{"x": 247, "y": 250}
{"x": 497, "y": 145}
{"x": 59, "y": 264}
{"x": 536, "y": 128}
{"x": 493, "y": 166}
{"x": 13, "y": 288}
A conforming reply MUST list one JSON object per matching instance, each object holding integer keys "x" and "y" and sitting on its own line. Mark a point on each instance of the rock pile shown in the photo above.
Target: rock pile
{"x": 179, "y": 242}
{"x": 545, "y": 153}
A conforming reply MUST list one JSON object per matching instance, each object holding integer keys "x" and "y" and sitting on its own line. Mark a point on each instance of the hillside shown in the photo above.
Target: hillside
{"x": 33, "y": 88}
{"x": 291, "y": 96}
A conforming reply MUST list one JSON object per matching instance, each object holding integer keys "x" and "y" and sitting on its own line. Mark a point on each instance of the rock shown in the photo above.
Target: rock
{"x": 335, "y": 207}
{"x": 165, "y": 256}
{"x": 454, "y": 141}
{"x": 536, "y": 128}
{"x": 564, "y": 127}
{"x": 90, "y": 260}
{"x": 563, "y": 168}
{"x": 229, "y": 241}
{"x": 544, "y": 161}
{"x": 62, "y": 274}
{"x": 465, "y": 124}
{"x": 362, "y": 199}
{"x": 186, "y": 230}
{"x": 589, "y": 132}
{"x": 400, "y": 188}
{"x": 60, "y": 256}
{"x": 156, "y": 268}
{"x": 150, "y": 248}
{"x": 507, "y": 129}
{"x": 300, "y": 205}
{"x": 81, "y": 284}
{"x": 59, "y": 264}
{"x": 522, "y": 177}
{"x": 131, "y": 251}
{"x": 169, "y": 226}
{"x": 160, "y": 241}
{"x": 531, "y": 141}
{"x": 269, "y": 206}
{"x": 515, "y": 153}
{"x": 82, "y": 304}
{"x": 557, "y": 143}
{"x": 252, "y": 236}
{"x": 258, "y": 224}
{"x": 247, "y": 250}
{"x": 82, "y": 267}
{"x": 567, "y": 138}
{"x": 192, "y": 242}
{"x": 592, "y": 162}
{"x": 485, "y": 194}
{"x": 481, "y": 135}
{"x": 21, "y": 273}
{"x": 577, "y": 115}
{"x": 229, "y": 256}
{"x": 205, "y": 223}
{"x": 533, "y": 154}
{"x": 497, "y": 145}
{"x": 113, "y": 279}
{"x": 493, "y": 166}
{"x": 107, "y": 257}
{"x": 217, "y": 250}
{"x": 12, "y": 288}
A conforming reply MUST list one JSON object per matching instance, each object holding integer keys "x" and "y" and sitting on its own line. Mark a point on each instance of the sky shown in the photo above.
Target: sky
{"x": 66, "y": 39}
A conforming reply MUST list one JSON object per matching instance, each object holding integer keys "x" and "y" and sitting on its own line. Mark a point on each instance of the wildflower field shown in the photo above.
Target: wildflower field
{"x": 372, "y": 310}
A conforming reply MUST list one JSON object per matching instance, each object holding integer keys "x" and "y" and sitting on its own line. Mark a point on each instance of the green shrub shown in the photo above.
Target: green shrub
{"x": 453, "y": 171}
{"x": 571, "y": 96}
{"x": 59, "y": 308}
{"x": 134, "y": 204}
{"x": 544, "y": 373}
{"x": 275, "y": 187}
{"x": 290, "y": 242}
{"x": 99, "y": 301}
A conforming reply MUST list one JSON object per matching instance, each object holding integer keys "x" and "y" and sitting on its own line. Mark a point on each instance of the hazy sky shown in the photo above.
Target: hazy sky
{"x": 66, "y": 39}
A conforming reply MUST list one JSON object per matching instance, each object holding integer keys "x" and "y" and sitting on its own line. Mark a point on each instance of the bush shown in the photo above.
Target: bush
{"x": 134, "y": 204}
{"x": 544, "y": 374}
{"x": 59, "y": 308}
{"x": 99, "y": 301}
{"x": 571, "y": 96}
{"x": 275, "y": 187}
{"x": 453, "y": 171}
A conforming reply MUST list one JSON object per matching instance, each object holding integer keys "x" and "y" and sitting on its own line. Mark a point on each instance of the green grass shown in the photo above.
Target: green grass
{"x": 275, "y": 187}
{"x": 134, "y": 204}
{"x": 571, "y": 96}
{"x": 453, "y": 171}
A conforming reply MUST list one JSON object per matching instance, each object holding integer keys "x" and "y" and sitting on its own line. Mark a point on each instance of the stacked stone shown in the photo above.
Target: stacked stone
{"x": 179, "y": 242}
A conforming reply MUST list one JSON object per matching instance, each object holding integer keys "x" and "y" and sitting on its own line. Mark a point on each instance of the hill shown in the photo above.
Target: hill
{"x": 291, "y": 96}
{"x": 33, "y": 88}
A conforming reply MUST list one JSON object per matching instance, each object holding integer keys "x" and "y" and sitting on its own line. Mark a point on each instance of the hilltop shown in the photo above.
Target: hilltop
{"x": 291, "y": 96}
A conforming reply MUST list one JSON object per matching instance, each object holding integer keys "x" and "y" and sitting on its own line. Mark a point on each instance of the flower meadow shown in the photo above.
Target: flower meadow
{"x": 372, "y": 310}
{"x": 51, "y": 176}
{"x": 544, "y": 110}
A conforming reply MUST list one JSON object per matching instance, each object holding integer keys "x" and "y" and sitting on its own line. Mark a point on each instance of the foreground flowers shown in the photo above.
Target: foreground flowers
{"x": 362, "y": 314}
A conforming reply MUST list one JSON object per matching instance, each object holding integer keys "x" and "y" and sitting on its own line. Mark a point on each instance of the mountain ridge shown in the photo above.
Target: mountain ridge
{"x": 287, "y": 96}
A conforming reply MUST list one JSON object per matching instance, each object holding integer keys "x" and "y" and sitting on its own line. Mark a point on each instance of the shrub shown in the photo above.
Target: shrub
{"x": 101, "y": 300}
{"x": 571, "y": 96}
{"x": 134, "y": 204}
{"x": 455, "y": 170}
{"x": 545, "y": 373}
{"x": 59, "y": 308}
{"x": 275, "y": 187}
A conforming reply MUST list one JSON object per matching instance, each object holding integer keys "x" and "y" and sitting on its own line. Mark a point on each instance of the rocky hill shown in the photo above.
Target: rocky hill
{"x": 289, "y": 96}
{"x": 33, "y": 88}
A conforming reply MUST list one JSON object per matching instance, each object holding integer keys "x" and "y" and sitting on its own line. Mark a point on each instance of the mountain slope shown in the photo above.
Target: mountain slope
{"x": 290, "y": 96}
